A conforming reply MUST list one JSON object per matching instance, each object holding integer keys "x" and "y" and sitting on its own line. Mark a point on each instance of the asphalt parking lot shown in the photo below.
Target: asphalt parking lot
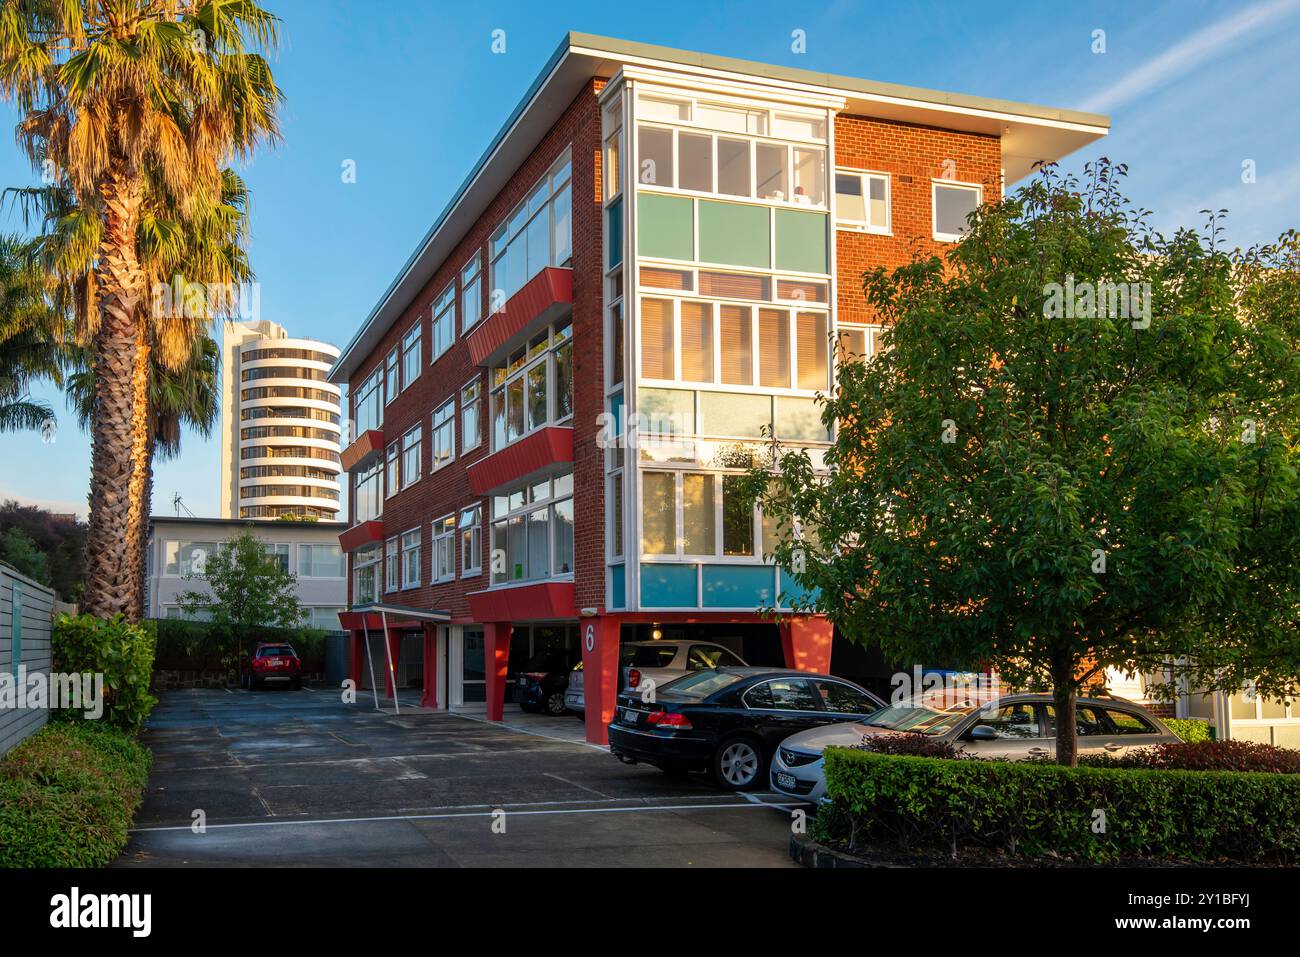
{"x": 287, "y": 778}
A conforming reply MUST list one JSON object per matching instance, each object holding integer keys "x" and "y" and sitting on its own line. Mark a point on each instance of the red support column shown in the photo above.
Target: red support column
{"x": 429, "y": 699}
{"x": 395, "y": 650}
{"x": 806, "y": 643}
{"x": 496, "y": 658}
{"x": 356, "y": 656}
{"x": 599, "y": 638}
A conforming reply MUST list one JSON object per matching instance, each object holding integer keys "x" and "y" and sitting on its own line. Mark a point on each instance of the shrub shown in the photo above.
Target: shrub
{"x": 1207, "y": 756}
{"x": 1046, "y": 809}
{"x": 917, "y": 745}
{"x": 203, "y": 646}
{"x": 122, "y": 652}
{"x": 68, "y": 794}
{"x": 1190, "y": 729}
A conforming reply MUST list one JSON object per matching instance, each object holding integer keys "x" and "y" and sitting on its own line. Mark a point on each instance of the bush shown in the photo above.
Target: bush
{"x": 121, "y": 652}
{"x": 917, "y": 745}
{"x": 1045, "y": 809}
{"x": 1206, "y": 756}
{"x": 1190, "y": 729}
{"x": 68, "y": 794}
{"x": 202, "y": 646}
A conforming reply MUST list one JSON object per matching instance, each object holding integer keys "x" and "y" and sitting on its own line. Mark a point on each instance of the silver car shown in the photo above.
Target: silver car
{"x": 660, "y": 662}
{"x": 1013, "y": 727}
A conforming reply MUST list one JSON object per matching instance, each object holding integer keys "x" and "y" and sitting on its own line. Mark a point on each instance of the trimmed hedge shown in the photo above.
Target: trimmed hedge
{"x": 202, "y": 646}
{"x": 68, "y": 795}
{"x": 122, "y": 652}
{"x": 1205, "y": 756}
{"x": 1033, "y": 808}
{"x": 1190, "y": 730}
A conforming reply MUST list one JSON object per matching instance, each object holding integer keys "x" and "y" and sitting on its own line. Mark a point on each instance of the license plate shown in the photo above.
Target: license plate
{"x": 629, "y": 715}
{"x": 275, "y": 662}
{"x": 522, "y": 681}
{"x": 785, "y": 781}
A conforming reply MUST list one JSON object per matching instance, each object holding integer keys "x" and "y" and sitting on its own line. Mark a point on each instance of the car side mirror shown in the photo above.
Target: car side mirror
{"x": 982, "y": 732}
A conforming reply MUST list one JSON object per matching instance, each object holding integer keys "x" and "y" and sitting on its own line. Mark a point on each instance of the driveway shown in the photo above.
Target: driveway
{"x": 297, "y": 778}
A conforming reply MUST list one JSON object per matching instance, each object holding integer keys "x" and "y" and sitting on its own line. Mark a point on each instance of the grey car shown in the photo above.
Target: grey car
{"x": 1014, "y": 727}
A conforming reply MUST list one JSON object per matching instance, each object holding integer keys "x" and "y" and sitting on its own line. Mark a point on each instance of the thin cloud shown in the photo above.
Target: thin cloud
{"x": 1189, "y": 53}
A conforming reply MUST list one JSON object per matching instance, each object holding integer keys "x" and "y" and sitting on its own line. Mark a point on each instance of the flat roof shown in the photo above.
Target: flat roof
{"x": 1030, "y": 133}
{"x": 255, "y": 522}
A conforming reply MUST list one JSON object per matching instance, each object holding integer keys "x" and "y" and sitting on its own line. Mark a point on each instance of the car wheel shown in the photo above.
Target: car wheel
{"x": 738, "y": 764}
{"x": 555, "y": 704}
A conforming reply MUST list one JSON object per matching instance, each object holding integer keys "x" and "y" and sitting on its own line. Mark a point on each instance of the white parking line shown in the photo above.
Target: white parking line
{"x": 434, "y": 817}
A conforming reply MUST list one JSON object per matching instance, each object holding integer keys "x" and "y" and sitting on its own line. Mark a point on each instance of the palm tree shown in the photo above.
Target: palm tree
{"x": 211, "y": 244}
{"x": 30, "y": 347}
{"x": 120, "y": 100}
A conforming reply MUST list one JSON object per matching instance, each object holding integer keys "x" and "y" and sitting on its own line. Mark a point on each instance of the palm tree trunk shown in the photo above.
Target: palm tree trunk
{"x": 111, "y": 585}
{"x": 137, "y": 533}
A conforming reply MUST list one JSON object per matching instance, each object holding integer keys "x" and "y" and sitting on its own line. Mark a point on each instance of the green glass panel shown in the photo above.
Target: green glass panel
{"x": 663, "y": 226}
{"x": 734, "y": 234}
{"x": 800, "y": 241}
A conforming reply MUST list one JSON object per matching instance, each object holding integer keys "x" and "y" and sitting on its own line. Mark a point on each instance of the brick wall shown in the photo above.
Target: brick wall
{"x": 447, "y": 491}
{"x": 912, "y": 155}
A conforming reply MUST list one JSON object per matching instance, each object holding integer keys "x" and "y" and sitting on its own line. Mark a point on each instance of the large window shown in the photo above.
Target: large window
{"x": 532, "y": 530}
{"x": 411, "y": 558}
{"x": 953, "y": 202}
{"x": 367, "y": 494}
{"x": 471, "y": 292}
{"x": 410, "y": 356}
{"x": 444, "y": 548}
{"x": 697, "y": 514}
{"x": 862, "y": 201}
{"x": 365, "y": 575}
{"x": 471, "y": 415}
{"x": 187, "y": 558}
{"x": 732, "y": 150}
{"x": 411, "y": 457}
{"x": 277, "y": 556}
{"x": 391, "y": 560}
{"x": 856, "y": 343}
{"x": 537, "y": 233}
{"x": 443, "y": 435}
{"x": 471, "y": 541}
{"x": 393, "y": 469}
{"x": 320, "y": 561}
{"x": 535, "y": 387}
{"x": 444, "y": 322}
{"x": 690, "y": 341}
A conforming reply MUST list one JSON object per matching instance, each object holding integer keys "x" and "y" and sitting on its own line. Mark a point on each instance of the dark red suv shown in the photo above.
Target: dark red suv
{"x": 271, "y": 663}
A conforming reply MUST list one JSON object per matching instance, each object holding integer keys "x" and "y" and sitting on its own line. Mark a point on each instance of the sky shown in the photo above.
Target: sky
{"x": 1199, "y": 93}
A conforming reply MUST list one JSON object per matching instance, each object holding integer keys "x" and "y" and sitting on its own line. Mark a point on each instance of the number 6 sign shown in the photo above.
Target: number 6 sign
{"x": 590, "y": 638}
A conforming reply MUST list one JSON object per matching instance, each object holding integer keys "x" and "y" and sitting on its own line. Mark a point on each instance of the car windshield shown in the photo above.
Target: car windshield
{"x": 276, "y": 651}
{"x": 648, "y": 656}
{"x": 701, "y": 684}
{"x": 922, "y": 716}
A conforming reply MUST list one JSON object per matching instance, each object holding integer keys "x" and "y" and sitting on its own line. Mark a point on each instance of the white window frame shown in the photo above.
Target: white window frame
{"x": 307, "y": 548}
{"x": 471, "y": 551}
{"x": 370, "y": 393}
{"x": 935, "y": 186}
{"x": 369, "y": 557}
{"x": 560, "y": 337}
{"x": 392, "y": 468}
{"x": 471, "y": 276}
{"x": 472, "y": 401}
{"x": 375, "y": 473}
{"x": 392, "y": 565}
{"x": 411, "y": 462}
{"x": 443, "y": 323}
{"x": 444, "y": 545}
{"x": 528, "y": 506}
{"x": 860, "y": 226}
{"x": 557, "y": 179}
{"x": 411, "y": 343}
{"x": 392, "y": 374}
{"x": 410, "y": 542}
{"x": 679, "y": 519}
{"x": 443, "y": 430}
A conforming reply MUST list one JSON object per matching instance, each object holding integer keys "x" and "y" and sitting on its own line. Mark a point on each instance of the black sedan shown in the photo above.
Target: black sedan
{"x": 729, "y": 721}
{"x": 542, "y": 682}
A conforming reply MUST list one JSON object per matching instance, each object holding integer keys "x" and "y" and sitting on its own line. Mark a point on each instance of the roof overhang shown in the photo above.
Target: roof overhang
{"x": 1029, "y": 133}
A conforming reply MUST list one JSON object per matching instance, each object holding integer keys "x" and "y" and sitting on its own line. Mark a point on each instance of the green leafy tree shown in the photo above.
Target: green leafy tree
{"x": 248, "y": 590}
{"x": 1054, "y": 475}
{"x": 19, "y": 550}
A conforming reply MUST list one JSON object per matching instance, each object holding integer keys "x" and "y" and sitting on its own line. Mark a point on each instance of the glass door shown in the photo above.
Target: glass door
{"x": 473, "y": 667}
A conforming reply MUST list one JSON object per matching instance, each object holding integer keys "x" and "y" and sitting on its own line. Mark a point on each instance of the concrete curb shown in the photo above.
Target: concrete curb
{"x": 806, "y": 852}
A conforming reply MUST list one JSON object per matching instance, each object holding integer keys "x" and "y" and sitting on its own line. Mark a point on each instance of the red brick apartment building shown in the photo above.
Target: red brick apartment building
{"x": 656, "y": 259}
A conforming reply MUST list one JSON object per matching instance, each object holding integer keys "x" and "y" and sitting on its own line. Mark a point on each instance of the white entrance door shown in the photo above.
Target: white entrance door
{"x": 468, "y": 668}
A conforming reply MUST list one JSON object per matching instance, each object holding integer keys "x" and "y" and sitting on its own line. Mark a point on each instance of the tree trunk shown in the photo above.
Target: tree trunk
{"x": 142, "y": 439}
{"x": 1063, "y": 695}
{"x": 111, "y": 585}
